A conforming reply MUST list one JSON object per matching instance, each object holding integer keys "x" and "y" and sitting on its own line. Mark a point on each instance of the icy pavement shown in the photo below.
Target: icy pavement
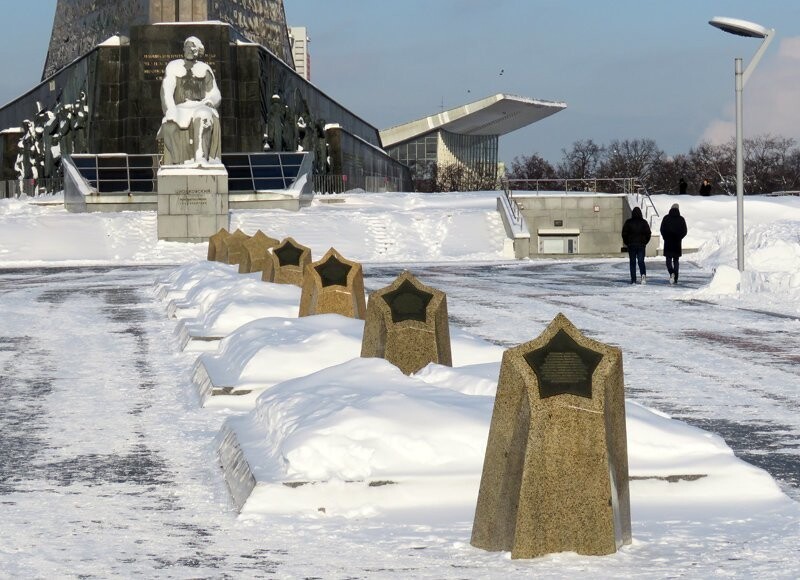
{"x": 108, "y": 469}
{"x": 731, "y": 371}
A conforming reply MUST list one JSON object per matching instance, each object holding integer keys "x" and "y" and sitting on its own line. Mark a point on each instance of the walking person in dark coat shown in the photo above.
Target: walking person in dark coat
{"x": 635, "y": 235}
{"x": 705, "y": 189}
{"x": 673, "y": 230}
{"x": 682, "y": 186}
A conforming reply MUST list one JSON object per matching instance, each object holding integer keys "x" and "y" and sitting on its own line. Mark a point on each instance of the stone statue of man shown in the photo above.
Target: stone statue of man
{"x": 190, "y": 98}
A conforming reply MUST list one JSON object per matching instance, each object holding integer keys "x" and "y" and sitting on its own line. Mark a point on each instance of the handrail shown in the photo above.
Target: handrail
{"x": 643, "y": 200}
{"x": 620, "y": 184}
{"x": 516, "y": 214}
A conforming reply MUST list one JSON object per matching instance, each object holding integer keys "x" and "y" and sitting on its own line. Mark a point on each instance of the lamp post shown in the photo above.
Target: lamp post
{"x": 752, "y": 30}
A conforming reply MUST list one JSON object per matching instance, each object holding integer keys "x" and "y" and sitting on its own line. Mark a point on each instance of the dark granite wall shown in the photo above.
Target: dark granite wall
{"x": 80, "y": 25}
{"x": 123, "y": 86}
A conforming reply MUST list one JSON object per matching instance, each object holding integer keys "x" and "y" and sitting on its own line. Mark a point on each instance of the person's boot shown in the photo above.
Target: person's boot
{"x": 672, "y": 279}
{"x": 644, "y": 279}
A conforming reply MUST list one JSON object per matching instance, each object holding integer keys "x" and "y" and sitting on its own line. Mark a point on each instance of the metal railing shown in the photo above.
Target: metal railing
{"x": 642, "y": 199}
{"x": 369, "y": 183}
{"x": 578, "y": 185}
{"x": 516, "y": 214}
{"x": 13, "y": 188}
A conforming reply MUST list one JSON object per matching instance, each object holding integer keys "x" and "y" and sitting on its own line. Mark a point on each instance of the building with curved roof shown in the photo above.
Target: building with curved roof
{"x": 465, "y": 137}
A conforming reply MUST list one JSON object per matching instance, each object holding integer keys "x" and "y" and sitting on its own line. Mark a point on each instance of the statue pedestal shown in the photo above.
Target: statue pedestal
{"x": 192, "y": 202}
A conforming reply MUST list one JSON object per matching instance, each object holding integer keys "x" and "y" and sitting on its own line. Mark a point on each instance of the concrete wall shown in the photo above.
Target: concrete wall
{"x": 593, "y": 221}
{"x": 597, "y": 218}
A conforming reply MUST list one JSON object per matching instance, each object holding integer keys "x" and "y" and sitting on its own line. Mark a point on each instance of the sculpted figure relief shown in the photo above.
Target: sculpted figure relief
{"x": 190, "y": 98}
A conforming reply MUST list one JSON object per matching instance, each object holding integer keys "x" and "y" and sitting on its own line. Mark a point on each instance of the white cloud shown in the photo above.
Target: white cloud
{"x": 771, "y": 99}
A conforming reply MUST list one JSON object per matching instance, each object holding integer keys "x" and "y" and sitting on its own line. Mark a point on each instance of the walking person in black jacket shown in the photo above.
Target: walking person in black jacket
{"x": 673, "y": 230}
{"x": 635, "y": 235}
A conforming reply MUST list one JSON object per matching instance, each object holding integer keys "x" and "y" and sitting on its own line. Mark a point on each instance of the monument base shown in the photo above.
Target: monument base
{"x": 192, "y": 202}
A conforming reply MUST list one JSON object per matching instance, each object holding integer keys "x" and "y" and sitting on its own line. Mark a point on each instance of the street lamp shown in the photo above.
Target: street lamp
{"x": 752, "y": 30}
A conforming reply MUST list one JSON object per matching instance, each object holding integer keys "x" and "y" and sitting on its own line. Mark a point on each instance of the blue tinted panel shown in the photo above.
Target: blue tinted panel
{"x": 262, "y": 184}
{"x": 113, "y": 186}
{"x": 81, "y": 162}
{"x": 112, "y": 174}
{"x": 89, "y": 173}
{"x": 267, "y": 172}
{"x": 240, "y": 184}
{"x": 143, "y": 173}
{"x": 291, "y": 171}
{"x": 142, "y": 161}
{"x": 114, "y": 161}
{"x": 238, "y": 172}
{"x": 143, "y": 186}
{"x": 234, "y": 160}
{"x": 292, "y": 158}
{"x": 265, "y": 159}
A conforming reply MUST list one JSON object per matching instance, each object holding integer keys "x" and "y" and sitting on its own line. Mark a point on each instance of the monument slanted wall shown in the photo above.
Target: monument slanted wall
{"x": 79, "y": 25}
{"x": 122, "y": 83}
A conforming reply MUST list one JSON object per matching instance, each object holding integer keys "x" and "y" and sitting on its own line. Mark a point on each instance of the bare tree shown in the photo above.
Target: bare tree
{"x": 717, "y": 163}
{"x": 580, "y": 162}
{"x": 765, "y": 160}
{"x": 531, "y": 167}
{"x": 630, "y": 158}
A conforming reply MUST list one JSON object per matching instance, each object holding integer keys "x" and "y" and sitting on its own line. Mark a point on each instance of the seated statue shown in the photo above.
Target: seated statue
{"x": 189, "y": 98}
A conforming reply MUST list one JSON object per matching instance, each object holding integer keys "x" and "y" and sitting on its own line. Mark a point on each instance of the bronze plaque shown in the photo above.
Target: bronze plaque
{"x": 563, "y": 366}
{"x": 333, "y": 272}
{"x": 288, "y": 255}
{"x": 408, "y": 303}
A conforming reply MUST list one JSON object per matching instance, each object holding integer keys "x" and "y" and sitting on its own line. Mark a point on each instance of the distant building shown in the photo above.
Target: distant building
{"x": 298, "y": 37}
{"x": 465, "y": 138}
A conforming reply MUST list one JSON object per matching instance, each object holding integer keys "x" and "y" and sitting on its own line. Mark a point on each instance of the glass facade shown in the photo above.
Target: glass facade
{"x": 476, "y": 153}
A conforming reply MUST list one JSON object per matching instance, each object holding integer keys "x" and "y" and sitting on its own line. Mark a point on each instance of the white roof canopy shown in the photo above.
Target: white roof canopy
{"x": 495, "y": 115}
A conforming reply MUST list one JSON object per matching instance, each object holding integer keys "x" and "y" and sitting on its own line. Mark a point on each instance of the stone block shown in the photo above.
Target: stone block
{"x": 215, "y": 243}
{"x": 163, "y": 204}
{"x": 555, "y": 475}
{"x": 256, "y": 253}
{"x": 407, "y": 325}
{"x": 199, "y": 194}
{"x": 200, "y": 226}
{"x": 289, "y": 260}
{"x": 171, "y": 227}
{"x": 333, "y": 285}
{"x": 231, "y": 248}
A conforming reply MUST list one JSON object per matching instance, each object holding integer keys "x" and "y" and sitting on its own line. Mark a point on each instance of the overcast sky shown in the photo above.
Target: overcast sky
{"x": 626, "y": 68}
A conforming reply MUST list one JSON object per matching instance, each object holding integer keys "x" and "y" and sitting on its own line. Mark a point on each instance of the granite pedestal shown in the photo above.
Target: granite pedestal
{"x": 407, "y": 325}
{"x": 333, "y": 285}
{"x": 192, "y": 202}
{"x": 555, "y": 476}
{"x": 256, "y": 253}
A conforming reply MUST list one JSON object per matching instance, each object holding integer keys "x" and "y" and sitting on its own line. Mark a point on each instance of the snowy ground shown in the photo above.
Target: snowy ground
{"x": 109, "y": 470}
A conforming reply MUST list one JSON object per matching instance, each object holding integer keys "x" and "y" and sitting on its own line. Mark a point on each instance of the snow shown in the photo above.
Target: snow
{"x": 311, "y": 412}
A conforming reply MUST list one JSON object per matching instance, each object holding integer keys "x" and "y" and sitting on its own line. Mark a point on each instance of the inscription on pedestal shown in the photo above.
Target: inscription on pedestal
{"x": 193, "y": 197}
{"x": 288, "y": 254}
{"x": 408, "y": 303}
{"x": 563, "y": 367}
{"x": 333, "y": 272}
{"x": 407, "y": 325}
